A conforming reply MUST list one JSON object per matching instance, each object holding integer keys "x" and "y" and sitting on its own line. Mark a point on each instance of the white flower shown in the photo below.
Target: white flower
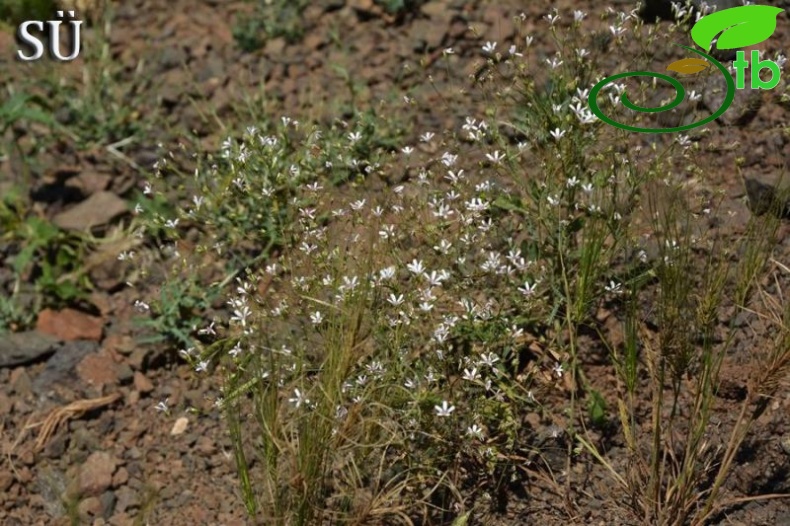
{"x": 354, "y": 137}
{"x": 513, "y": 51}
{"x": 617, "y": 31}
{"x": 415, "y": 267}
{"x": 558, "y": 370}
{"x": 489, "y": 359}
{"x": 443, "y": 247}
{"x": 527, "y": 289}
{"x": 395, "y": 300}
{"x": 554, "y": 63}
{"x": 613, "y": 287}
{"x": 448, "y": 51}
{"x": 557, "y": 133}
{"x": 489, "y": 47}
{"x": 298, "y": 398}
{"x": 407, "y": 150}
{"x": 445, "y": 409}
{"x": 386, "y": 273}
{"x": 162, "y": 406}
{"x": 495, "y": 157}
{"x": 578, "y": 16}
{"x": 387, "y": 231}
{"x": 475, "y": 431}
{"x": 471, "y": 374}
{"x": 316, "y": 317}
{"x": 202, "y": 366}
{"x": 241, "y": 314}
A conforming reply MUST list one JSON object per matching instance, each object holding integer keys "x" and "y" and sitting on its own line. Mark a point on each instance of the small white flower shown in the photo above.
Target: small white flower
{"x": 475, "y": 431}
{"x": 202, "y": 366}
{"x": 394, "y": 300}
{"x": 471, "y": 374}
{"x": 617, "y": 31}
{"x": 316, "y": 317}
{"x": 614, "y": 287}
{"x": 554, "y": 62}
{"x": 162, "y": 406}
{"x": 489, "y": 359}
{"x": 495, "y": 157}
{"x": 558, "y": 370}
{"x": 527, "y": 289}
{"x": 298, "y": 398}
{"x": 415, "y": 267}
{"x": 407, "y": 150}
{"x": 489, "y": 47}
{"x": 445, "y": 409}
{"x": 557, "y": 133}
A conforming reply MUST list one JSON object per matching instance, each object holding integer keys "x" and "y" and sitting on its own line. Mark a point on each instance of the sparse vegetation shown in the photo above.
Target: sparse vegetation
{"x": 409, "y": 356}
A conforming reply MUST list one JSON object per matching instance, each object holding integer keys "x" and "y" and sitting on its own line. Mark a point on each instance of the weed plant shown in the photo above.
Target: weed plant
{"x": 413, "y": 355}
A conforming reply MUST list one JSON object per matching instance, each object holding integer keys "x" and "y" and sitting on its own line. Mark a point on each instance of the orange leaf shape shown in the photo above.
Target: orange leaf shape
{"x": 688, "y": 66}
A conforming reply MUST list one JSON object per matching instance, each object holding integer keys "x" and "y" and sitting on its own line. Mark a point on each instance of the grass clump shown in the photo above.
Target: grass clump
{"x": 416, "y": 354}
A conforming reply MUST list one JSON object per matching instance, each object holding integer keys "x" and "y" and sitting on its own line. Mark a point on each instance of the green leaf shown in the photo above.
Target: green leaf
{"x": 596, "y": 406}
{"x": 739, "y": 27}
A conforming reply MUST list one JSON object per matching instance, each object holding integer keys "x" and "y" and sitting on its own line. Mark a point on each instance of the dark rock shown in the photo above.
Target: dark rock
{"x": 25, "y": 347}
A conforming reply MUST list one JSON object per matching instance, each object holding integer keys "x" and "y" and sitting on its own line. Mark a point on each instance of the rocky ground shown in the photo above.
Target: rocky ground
{"x": 86, "y": 406}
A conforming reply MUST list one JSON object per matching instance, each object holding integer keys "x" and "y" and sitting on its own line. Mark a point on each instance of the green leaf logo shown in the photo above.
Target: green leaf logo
{"x": 741, "y": 26}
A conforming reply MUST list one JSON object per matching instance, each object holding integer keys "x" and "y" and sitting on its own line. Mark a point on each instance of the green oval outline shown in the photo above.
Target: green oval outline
{"x": 592, "y": 97}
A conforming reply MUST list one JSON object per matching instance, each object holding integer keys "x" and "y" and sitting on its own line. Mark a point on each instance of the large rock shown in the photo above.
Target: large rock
{"x": 768, "y": 195}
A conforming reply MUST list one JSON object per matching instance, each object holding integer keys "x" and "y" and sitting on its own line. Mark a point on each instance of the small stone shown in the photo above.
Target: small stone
{"x": 90, "y": 507}
{"x": 98, "y": 369}
{"x": 180, "y": 426}
{"x": 205, "y": 446}
{"x": 70, "y": 324}
{"x": 20, "y": 382}
{"x": 120, "y": 478}
{"x": 96, "y": 474}
{"x": 142, "y": 384}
